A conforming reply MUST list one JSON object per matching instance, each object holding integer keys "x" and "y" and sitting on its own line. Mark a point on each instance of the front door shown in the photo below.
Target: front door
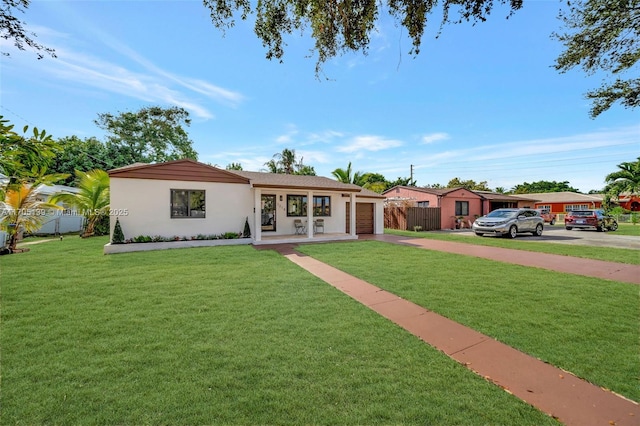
{"x": 268, "y": 213}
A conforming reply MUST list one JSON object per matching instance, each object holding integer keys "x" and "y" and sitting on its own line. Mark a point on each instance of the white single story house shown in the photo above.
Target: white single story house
{"x": 185, "y": 198}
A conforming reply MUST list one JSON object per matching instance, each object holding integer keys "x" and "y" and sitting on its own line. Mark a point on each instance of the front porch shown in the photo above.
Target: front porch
{"x": 299, "y": 239}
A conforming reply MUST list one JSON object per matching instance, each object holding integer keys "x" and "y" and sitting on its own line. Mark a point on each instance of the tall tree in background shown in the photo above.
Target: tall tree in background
{"x": 343, "y": 175}
{"x": 604, "y": 35}
{"x": 286, "y": 162}
{"x": 234, "y": 166}
{"x": 344, "y": 26}
{"x": 470, "y": 184}
{"x": 12, "y": 28}
{"x": 543, "y": 186}
{"x": 401, "y": 182}
{"x": 372, "y": 181}
{"x": 82, "y": 155}
{"x": 152, "y": 134}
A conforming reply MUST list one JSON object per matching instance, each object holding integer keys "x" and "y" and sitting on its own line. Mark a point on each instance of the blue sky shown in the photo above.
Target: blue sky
{"x": 480, "y": 102}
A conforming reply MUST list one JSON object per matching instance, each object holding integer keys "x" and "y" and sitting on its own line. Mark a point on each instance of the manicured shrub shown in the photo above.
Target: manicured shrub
{"x": 118, "y": 235}
{"x": 247, "y": 229}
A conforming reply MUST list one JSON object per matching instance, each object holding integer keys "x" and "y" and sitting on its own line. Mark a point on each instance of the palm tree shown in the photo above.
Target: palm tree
{"x": 272, "y": 166}
{"x": 286, "y": 160}
{"x": 625, "y": 180}
{"x": 92, "y": 200}
{"x": 22, "y": 211}
{"x": 343, "y": 175}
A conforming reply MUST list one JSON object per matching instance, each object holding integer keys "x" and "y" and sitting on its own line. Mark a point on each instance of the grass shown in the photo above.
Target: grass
{"x": 628, "y": 229}
{"x": 584, "y": 325}
{"x": 220, "y": 335}
{"x": 608, "y": 254}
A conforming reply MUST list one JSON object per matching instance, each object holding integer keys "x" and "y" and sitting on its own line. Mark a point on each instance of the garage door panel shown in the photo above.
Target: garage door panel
{"x": 364, "y": 218}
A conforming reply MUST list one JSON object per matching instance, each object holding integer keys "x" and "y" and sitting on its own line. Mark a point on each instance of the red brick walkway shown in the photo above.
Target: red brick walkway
{"x": 552, "y": 390}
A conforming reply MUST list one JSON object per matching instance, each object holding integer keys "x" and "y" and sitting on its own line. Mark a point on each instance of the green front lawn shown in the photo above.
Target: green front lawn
{"x": 221, "y": 335}
{"x": 584, "y": 325}
{"x": 628, "y": 229}
{"x": 608, "y": 254}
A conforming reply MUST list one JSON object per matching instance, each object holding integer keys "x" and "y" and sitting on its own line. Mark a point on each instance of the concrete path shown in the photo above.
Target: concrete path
{"x": 556, "y": 392}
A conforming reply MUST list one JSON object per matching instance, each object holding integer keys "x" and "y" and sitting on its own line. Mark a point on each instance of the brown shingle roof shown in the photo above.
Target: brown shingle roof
{"x": 564, "y": 197}
{"x": 277, "y": 180}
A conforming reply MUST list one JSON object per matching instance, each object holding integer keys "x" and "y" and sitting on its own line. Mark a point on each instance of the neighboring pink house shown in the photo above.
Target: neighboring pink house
{"x": 454, "y": 202}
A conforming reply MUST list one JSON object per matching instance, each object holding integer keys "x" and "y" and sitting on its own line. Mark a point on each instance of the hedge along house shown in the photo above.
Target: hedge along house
{"x": 185, "y": 198}
{"x": 454, "y": 203}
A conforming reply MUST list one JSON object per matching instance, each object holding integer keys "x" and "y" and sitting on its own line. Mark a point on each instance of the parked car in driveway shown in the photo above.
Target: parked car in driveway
{"x": 509, "y": 222}
{"x": 548, "y": 217}
{"x": 586, "y": 219}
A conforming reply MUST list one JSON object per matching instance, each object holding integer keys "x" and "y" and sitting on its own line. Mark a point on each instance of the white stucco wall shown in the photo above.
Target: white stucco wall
{"x": 143, "y": 206}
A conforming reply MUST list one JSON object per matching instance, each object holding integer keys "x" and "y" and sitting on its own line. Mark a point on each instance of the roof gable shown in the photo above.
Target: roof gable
{"x": 184, "y": 170}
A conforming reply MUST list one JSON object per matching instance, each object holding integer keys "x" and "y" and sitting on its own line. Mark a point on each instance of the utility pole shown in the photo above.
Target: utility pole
{"x": 411, "y": 179}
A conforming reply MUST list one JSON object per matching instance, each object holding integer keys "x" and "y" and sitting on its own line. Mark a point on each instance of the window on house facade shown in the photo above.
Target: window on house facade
{"x": 572, "y": 207}
{"x": 462, "y": 208}
{"x": 187, "y": 203}
{"x": 322, "y": 206}
{"x": 545, "y": 208}
{"x": 423, "y": 204}
{"x": 297, "y": 205}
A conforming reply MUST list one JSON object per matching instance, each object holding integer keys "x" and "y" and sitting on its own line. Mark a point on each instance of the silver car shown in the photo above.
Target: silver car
{"x": 509, "y": 222}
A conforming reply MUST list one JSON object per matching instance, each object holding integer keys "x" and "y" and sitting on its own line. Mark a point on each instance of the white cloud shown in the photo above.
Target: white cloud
{"x": 369, "y": 143}
{"x": 435, "y": 137}
{"x": 149, "y": 83}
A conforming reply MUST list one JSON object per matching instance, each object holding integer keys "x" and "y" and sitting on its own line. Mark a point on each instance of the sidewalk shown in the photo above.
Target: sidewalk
{"x": 556, "y": 392}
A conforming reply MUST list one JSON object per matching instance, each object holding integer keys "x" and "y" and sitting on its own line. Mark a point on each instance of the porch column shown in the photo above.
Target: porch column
{"x": 310, "y": 214}
{"x": 257, "y": 214}
{"x": 352, "y": 214}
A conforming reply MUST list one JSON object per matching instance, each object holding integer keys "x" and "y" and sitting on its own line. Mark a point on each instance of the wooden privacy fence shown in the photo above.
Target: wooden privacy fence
{"x": 405, "y": 218}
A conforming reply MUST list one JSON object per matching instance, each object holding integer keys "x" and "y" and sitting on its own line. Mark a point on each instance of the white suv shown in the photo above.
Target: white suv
{"x": 509, "y": 222}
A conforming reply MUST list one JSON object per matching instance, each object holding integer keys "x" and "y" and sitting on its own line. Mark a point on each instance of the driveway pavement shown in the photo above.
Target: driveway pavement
{"x": 559, "y": 235}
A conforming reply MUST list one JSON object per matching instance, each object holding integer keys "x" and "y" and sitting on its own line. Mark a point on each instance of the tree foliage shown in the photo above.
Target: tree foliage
{"x": 470, "y": 184}
{"x": 75, "y": 154}
{"x": 603, "y": 35}
{"x": 543, "y": 186}
{"x": 234, "y": 166}
{"x": 626, "y": 180}
{"x": 341, "y": 26}
{"x": 400, "y": 181}
{"x": 12, "y": 28}
{"x": 152, "y": 134}
{"x": 92, "y": 200}
{"x": 25, "y": 158}
{"x": 372, "y": 181}
{"x": 287, "y": 162}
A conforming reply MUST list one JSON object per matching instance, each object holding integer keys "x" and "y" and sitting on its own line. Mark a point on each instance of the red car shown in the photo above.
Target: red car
{"x": 590, "y": 219}
{"x": 548, "y": 217}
